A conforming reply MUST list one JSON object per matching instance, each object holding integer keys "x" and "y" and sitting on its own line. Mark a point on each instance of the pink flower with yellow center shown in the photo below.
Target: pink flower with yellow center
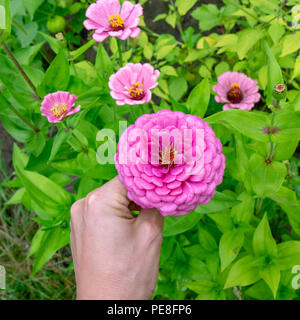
{"x": 108, "y": 18}
{"x": 132, "y": 84}
{"x": 170, "y": 161}
{"x": 59, "y": 105}
{"x": 236, "y": 90}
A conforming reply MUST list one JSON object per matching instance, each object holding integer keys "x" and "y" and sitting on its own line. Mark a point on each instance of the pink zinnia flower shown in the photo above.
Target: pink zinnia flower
{"x": 59, "y": 105}
{"x": 170, "y": 161}
{"x": 109, "y": 19}
{"x": 132, "y": 84}
{"x": 236, "y": 90}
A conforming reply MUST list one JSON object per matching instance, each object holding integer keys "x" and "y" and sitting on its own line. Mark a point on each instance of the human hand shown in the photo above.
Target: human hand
{"x": 116, "y": 255}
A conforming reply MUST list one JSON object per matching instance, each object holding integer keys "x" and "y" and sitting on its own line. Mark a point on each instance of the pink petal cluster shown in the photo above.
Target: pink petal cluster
{"x": 177, "y": 186}
{"x": 109, "y": 19}
{"x": 59, "y": 105}
{"x": 236, "y": 90}
{"x": 132, "y": 84}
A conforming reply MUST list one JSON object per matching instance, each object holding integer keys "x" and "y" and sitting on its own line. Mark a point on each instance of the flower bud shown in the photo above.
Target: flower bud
{"x": 279, "y": 91}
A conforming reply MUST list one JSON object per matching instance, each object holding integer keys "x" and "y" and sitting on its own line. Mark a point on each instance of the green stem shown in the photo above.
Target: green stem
{"x": 120, "y": 52}
{"x": 258, "y": 206}
{"x": 133, "y": 113}
{"x": 77, "y": 53}
{"x": 27, "y": 122}
{"x": 242, "y": 8}
{"x": 21, "y": 70}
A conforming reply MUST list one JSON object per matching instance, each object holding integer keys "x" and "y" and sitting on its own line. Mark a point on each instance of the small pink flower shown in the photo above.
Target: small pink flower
{"x": 132, "y": 84}
{"x": 170, "y": 161}
{"x": 109, "y": 19}
{"x": 236, "y": 90}
{"x": 59, "y": 105}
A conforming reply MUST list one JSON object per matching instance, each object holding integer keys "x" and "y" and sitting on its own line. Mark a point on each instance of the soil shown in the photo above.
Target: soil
{"x": 6, "y": 144}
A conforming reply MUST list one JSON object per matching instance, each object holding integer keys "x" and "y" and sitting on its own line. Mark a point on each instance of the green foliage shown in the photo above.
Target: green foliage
{"x": 243, "y": 244}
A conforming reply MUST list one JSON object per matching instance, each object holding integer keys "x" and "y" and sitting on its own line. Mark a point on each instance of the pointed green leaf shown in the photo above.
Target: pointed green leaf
{"x": 263, "y": 241}
{"x": 230, "y": 245}
{"x": 243, "y": 273}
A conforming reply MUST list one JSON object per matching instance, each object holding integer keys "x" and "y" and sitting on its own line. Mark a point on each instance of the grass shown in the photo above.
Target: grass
{"x": 17, "y": 228}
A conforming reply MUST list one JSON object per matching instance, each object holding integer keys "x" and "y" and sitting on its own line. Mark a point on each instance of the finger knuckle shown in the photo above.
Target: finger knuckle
{"x": 152, "y": 231}
{"x": 75, "y": 209}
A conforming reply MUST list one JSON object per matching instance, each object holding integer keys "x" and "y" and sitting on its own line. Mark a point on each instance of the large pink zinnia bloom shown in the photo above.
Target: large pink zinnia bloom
{"x": 109, "y": 19}
{"x": 236, "y": 90}
{"x": 170, "y": 161}
{"x": 59, "y": 105}
{"x": 132, "y": 84}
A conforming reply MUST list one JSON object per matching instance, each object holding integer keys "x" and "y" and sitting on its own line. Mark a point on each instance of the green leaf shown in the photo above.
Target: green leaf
{"x": 230, "y": 245}
{"x": 287, "y": 200}
{"x": 59, "y": 139}
{"x": 221, "y": 67}
{"x": 250, "y": 124}
{"x": 276, "y": 31}
{"x": 171, "y": 19}
{"x": 46, "y": 243}
{"x": 25, "y": 56}
{"x": 291, "y": 44}
{"x": 32, "y": 5}
{"x": 271, "y": 275}
{"x": 184, "y": 6}
{"x": 208, "y": 16}
{"x": 207, "y": 241}
{"x": 206, "y": 289}
{"x": 247, "y": 39}
{"x": 296, "y": 68}
{"x": 220, "y": 202}
{"x": 243, "y": 273}
{"x": 169, "y": 70}
{"x": 178, "y": 87}
{"x": 15, "y": 83}
{"x": 289, "y": 127}
{"x": 36, "y": 144}
{"x": 288, "y": 254}
{"x": 164, "y": 45}
{"x": 198, "y": 99}
{"x": 265, "y": 178}
{"x": 104, "y": 65}
{"x": 263, "y": 242}
{"x": 49, "y": 196}
{"x": 274, "y": 73}
{"x": 260, "y": 291}
{"x": 53, "y": 43}
{"x": 57, "y": 75}
{"x": 177, "y": 225}
{"x": 243, "y": 212}
{"x": 20, "y": 159}
{"x": 17, "y": 197}
{"x": 45, "y": 193}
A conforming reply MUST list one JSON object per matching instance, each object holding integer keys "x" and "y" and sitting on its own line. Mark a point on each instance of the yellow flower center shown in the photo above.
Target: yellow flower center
{"x": 167, "y": 157}
{"x": 137, "y": 91}
{"x": 59, "y": 109}
{"x": 235, "y": 85}
{"x": 116, "y": 22}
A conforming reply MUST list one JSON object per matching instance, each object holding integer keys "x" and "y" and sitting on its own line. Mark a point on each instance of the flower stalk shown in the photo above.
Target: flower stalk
{"x": 21, "y": 70}
{"x": 120, "y": 52}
